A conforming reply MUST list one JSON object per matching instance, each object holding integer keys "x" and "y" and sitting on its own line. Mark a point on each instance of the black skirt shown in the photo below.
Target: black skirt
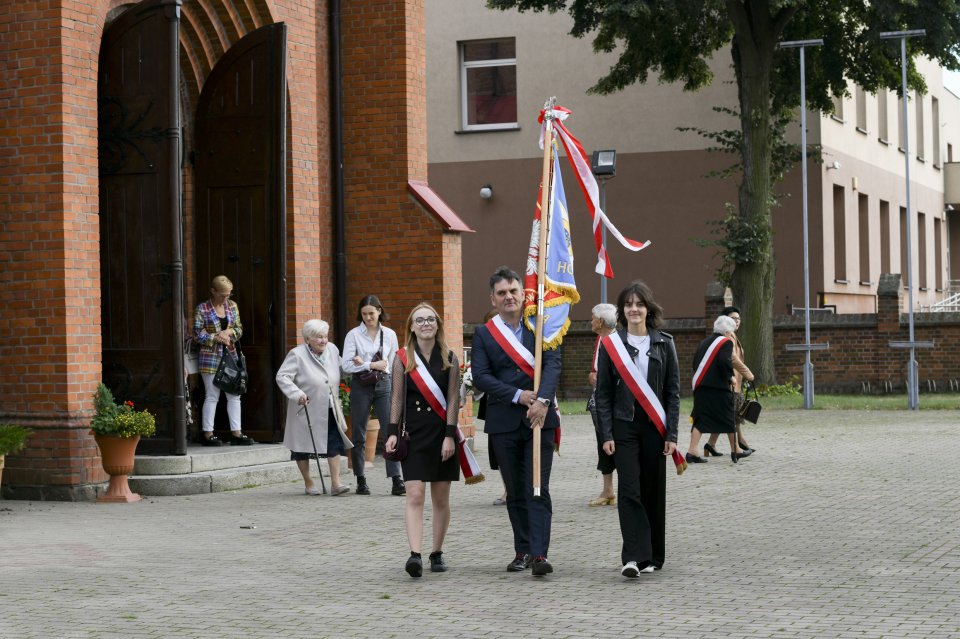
{"x": 714, "y": 410}
{"x": 427, "y": 431}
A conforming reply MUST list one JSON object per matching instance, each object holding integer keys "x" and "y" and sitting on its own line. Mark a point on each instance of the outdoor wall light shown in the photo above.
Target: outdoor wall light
{"x": 833, "y": 165}
{"x": 486, "y": 191}
{"x": 604, "y": 163}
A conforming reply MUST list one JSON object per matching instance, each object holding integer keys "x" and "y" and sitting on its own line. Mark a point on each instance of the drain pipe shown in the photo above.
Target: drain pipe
{"x": 336, "y": 119}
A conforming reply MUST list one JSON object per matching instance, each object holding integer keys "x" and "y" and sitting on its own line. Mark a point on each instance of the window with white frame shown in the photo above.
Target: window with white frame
{"x": 488, "y": 84}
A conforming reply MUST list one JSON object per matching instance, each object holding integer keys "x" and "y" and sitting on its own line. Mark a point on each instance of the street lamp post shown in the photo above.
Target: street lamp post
{"x": 604, "y": 166}
{"x": 913, "y": 393}
{"x": 807, "y": 346}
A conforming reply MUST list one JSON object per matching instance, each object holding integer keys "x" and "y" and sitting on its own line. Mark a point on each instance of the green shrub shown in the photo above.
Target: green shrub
{"x": 13, "y": 438}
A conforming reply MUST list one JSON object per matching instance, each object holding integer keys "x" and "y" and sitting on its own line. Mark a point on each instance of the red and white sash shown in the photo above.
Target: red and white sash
{"x": 707, "y": 360}
{"x": 431, "y": 392}
{"x": 596, "y": 355}
{"x": 508, "y": 341}
{"x": 520, "y": 356}
{"x": 640, "y": 389}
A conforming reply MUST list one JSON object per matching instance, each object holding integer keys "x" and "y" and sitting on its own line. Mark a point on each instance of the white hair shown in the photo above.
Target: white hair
{"x": 607, "y": 313}
{"x": 314, "y": 328}
{"x": 724, "y": 324}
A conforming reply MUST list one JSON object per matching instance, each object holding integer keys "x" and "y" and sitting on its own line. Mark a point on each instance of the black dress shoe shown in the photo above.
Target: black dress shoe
{"x": 541, "y": 566}
{"x": 738, "y": 456}
{"x": 213, "y": 440}
{"x": 241, "y": 440}
{"x": 362, "y": 488}
{"x": 399, "y": 488}
{"x": 520, "y": 563}
{"x": 710, "y": 451}
{"x": 437, "y": 564}
{"x": 744, "y": 446}
{"x": 414, "y": 565}
{"x": 693, "y": 459}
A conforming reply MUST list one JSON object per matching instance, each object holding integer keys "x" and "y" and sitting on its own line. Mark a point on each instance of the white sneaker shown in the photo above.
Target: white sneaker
{"x": 647, "y": 568}
{"x": 630, "y": 570}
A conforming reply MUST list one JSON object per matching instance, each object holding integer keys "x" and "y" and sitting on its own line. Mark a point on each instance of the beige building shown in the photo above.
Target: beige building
{"x": 488, "y": 74}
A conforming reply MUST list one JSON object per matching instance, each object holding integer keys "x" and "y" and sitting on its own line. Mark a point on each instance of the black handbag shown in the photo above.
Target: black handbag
{"x": 750, "y": 408}
{"x": 231, "y": 375}
{"x": 371, "y": 377}
{"x": 403, "y": 437}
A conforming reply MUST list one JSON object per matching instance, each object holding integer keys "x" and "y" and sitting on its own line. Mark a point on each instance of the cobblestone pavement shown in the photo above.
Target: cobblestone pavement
{"x": 843, "y": 524}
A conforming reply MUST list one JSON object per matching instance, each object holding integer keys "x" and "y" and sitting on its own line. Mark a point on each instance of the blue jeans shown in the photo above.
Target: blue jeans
{"x": 361, "y": 398}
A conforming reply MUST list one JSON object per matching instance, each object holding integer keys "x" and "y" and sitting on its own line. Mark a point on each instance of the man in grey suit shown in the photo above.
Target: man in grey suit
{"x": 502, "y": 364}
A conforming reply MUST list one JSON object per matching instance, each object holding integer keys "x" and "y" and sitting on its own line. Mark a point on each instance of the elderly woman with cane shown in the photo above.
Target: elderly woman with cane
{"x": 316, "y": 426}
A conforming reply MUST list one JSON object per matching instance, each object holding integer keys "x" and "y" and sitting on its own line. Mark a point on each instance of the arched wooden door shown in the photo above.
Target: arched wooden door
{"x": 140, "y": 219}
{"x": 241, "y": 206}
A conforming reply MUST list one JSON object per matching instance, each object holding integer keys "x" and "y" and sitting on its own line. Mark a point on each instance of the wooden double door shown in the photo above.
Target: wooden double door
{"x": 238, "y": 223}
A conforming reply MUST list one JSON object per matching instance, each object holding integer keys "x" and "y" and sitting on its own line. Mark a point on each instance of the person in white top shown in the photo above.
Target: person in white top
{"x": 368, "y": 353}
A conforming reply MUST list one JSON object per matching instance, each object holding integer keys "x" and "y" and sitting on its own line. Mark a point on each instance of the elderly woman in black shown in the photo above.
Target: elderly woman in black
{"x": 639, "y": 361}
{"x": 714, "y": 408}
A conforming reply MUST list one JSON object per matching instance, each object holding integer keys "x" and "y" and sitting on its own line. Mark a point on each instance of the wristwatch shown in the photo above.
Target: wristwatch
{"x": 543, "y": 400}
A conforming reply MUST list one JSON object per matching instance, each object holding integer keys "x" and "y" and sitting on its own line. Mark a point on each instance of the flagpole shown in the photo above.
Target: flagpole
{"x": 545, "y": 186}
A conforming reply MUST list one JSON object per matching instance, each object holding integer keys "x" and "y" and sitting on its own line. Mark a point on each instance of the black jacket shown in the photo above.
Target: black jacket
{"x": 614, "y": 399}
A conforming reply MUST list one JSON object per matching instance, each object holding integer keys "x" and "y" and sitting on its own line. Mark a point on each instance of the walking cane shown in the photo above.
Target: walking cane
{"x": 316, "y": 455}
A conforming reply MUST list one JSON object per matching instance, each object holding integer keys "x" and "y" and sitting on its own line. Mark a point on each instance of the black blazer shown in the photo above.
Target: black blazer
{"x": 614, "y": 399}
{"x": 721, "y": 371}
{"x": 498, "y": 376}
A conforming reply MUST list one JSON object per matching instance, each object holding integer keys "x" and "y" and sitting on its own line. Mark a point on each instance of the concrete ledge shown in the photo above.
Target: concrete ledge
{"x": 214, "y": 481}
{"x": 206, "y": 459}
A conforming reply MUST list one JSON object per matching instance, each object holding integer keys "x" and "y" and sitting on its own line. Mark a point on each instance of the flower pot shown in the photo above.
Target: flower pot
{"x": 370, "y": 446}
{"x": 117, "y": 455}
{"x": 1, "y": 472}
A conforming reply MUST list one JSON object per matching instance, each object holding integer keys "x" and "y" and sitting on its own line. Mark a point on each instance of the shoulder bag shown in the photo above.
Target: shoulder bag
{"x": 371, "y": 377}
{"x": 231, "y": 375}
{"x": 750, "y": 408}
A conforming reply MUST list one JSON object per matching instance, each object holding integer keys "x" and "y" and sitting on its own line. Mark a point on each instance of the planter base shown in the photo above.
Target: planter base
{"x": 118, "y": 492}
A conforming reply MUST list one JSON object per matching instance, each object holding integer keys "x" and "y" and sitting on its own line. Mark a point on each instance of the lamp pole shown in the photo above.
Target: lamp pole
{"x": 807, "y": 364}
{"x": 603, "y": 238}
{"x": 913, "y": 393}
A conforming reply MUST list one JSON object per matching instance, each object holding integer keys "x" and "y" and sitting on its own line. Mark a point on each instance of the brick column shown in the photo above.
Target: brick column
{"x": 49, "y": 245}
{"x": 714, "y": 301}
{"x": 891, "y": 363}
{"x": 395, "y": 249}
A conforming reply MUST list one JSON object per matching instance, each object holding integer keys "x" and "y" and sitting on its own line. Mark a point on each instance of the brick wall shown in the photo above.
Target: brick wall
{"x": 859, "y": 358}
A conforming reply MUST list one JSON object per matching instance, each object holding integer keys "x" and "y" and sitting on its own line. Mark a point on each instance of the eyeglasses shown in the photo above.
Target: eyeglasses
{"x": 429, "y": 321}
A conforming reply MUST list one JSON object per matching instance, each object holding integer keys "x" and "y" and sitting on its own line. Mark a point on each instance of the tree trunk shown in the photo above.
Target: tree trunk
{"x": 753, "y": 282}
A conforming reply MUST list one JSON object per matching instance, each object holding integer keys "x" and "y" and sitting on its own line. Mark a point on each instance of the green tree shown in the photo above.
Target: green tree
{"x": 676, "y": 38}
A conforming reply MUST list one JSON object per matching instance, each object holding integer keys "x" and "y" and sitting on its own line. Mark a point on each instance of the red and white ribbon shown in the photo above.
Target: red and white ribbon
{"x": 431, "y": 392}
{"x": 707, "y": 359}
{"x": 591, "y": 191}
{"x": 508, "y": 341}
{"x": 640, "y": 390}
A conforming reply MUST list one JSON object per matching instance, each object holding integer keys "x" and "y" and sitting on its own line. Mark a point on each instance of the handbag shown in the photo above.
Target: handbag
{"x": 750, "y": 408}
{"x": 371, "y": 377}
{"x": 231, "y": 375}
{"x": 403, "y": 437}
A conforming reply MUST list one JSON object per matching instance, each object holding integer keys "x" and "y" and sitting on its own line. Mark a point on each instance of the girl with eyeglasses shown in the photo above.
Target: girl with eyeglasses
{"x": 426, "y": 375}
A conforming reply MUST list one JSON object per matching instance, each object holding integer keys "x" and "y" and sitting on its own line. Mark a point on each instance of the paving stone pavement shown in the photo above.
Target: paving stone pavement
{"x": 843, "y": 524}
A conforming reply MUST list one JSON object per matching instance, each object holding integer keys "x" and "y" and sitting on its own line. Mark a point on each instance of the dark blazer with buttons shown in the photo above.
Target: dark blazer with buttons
{"x": 615, "y": 401}
{"x": 499, "y": 377}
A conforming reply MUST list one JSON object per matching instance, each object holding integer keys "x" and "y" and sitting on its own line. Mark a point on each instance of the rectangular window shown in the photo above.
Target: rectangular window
{"x": 935, "y": 129}
{"x": 903, "y": 247}
{"x": 861, "y": 98}
{"x": 837, "y": 108}
{"x": 921, "y": 149}
{"x": 938, "y": 252}
{"x": 922, "y": 243}
{"x": 882, "y": 116}
{"x": 884, "y": 236}
{"x": 839, "y": 236}
{"x": 488, "y": 84}
{"x": 900, "y": 123}
{"x": 864, "y": 239}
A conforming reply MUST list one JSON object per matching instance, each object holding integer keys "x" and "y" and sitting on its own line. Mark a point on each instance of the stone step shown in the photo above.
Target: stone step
{"x": 201, "y": 459}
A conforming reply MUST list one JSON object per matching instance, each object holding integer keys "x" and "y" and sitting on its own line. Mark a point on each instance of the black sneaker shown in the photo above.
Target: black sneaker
{"x": 414, "y": 565}
{"x": 399, "y": 488}
{"x": 437, "y": 564}
{"x": 362, "y": 488}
